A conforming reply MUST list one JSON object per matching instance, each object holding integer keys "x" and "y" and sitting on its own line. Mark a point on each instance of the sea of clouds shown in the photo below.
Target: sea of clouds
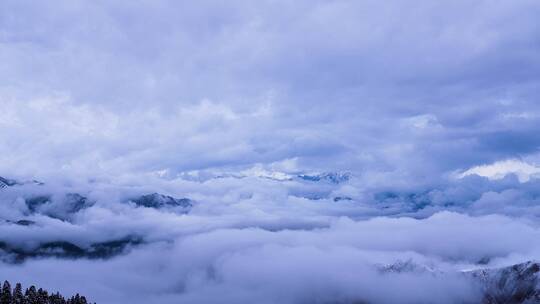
{"x": 320, "y": 142}
{"x": 256, "y": 238}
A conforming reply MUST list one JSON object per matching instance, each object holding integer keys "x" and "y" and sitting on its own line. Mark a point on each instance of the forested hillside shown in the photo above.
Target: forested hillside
{"x": 32, "y": 295}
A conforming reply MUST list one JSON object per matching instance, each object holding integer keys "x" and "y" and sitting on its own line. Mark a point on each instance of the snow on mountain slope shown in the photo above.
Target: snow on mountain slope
{"x": 514, "y": 284}
{"x": 518, "y": 283}
{"x": 156, "y": 200}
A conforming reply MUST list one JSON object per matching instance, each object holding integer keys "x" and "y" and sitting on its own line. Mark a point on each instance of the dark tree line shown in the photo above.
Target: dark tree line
{"x": 35, "y": 296}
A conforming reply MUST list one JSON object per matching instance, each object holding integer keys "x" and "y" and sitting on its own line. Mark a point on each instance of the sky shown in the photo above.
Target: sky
{"x": 134, "y": 87}
{"x": 429, "y": 108}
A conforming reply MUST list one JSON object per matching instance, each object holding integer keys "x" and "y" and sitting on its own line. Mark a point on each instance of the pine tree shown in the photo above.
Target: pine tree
{"x": 31, "y": 296}
{"x": 35, "y": 296}
{"x": 5, "y": 296}
{"x": 56, "y": 299}
{"x": 18, "y": 296}
{"x": 43, "y": 296}
{"x": 77, "y": 299}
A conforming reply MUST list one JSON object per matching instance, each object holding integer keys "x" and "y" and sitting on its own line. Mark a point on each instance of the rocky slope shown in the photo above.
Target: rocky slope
{"x": 518, "y": 283}
{"x": 515, "y": 284}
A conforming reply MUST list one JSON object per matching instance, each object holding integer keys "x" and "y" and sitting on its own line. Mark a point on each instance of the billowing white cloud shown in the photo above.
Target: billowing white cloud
{"x": 498, "y": 170}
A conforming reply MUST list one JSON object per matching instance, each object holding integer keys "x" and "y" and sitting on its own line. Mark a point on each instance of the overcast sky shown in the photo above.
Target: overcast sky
{"x": 415, "y": 90}
{"x": 424, "y": 108}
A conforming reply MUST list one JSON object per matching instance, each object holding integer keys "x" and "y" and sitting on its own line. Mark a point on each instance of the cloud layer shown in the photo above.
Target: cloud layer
{"x": 133, "y": 87}
{"x": 318, "y": 141}
{"x": 256, "y": 238}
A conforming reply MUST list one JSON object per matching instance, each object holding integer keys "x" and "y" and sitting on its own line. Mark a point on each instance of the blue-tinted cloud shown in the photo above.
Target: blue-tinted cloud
{"x": 339, "y": 81}
{"x": 427, "y": 111}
